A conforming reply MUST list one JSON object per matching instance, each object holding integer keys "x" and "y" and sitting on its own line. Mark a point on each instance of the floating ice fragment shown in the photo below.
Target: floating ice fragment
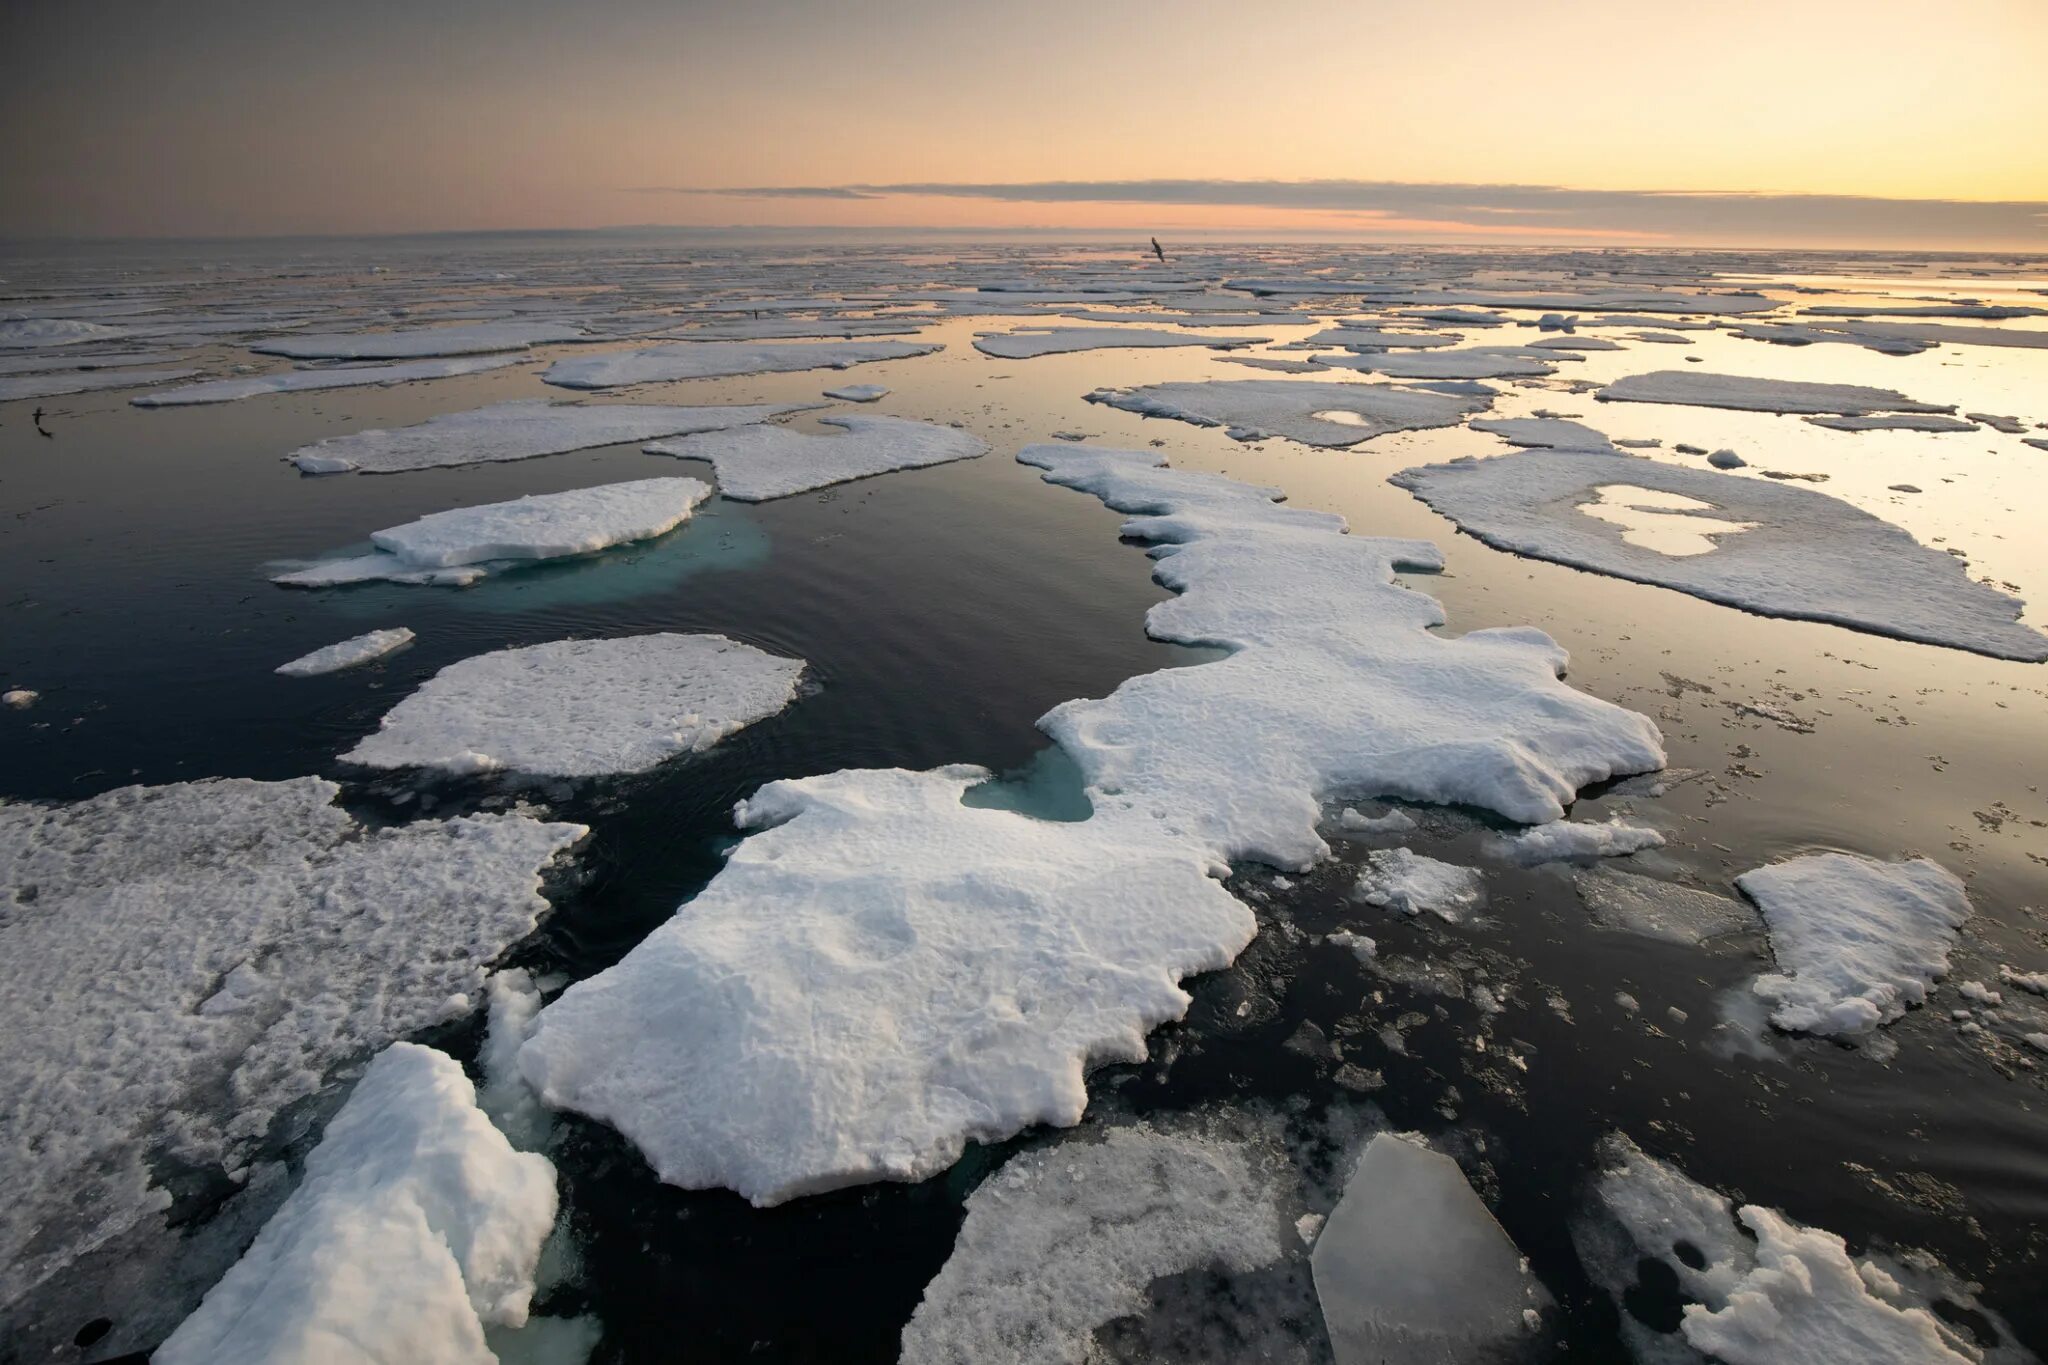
{"x": 1642, "y": 905}
{"x": 20, "y": 698}
{"x": 1024, "y": 345}
{"x": 755, "y": 464}
{"x": 1897, "y": 421}
{"x": 858, "y": 393}
{"x": 1363, "y": 948}
{"x": 1252, "y": 409}
{"x": 83, "y": 381}
{"x": 299, "y": 381}
{"x": 717, "y": 359}
{"x": 481, "y": 338}
{"x": 1562, "y": 840}
{"x": 347, "y": 654}
{"x": 1404, "y": 881}
{"x": 18, "y": 333}
{"x": 1696, "y": 389}
{"x": 1393, "y": 822}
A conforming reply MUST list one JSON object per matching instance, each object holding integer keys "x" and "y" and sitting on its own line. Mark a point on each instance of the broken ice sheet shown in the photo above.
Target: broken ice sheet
{"x": 302, "y": 381}
{"x": 1317, "y": 414}
{"x": 759, "y": 463}
{"x": 1755, "y": 394}
{"x": 716, "y": 359}
{"x": 1024, "y": 345}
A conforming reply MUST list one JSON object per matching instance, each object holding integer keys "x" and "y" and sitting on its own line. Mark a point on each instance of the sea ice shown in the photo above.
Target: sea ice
{"x": 582, "y": 708}
{"x": 1067, "y": 1238}
{"x": 858, "y": 393}
{"x": 143, "y": 1036}
{"x": 757, "y": 463}
{"x": 1895, "y": 421}
{"x": 20, "y": 333}
{"x": 519, "y": 430}
{"x": 347, "y": 654}
{"x": 1804, "y": 555}
{"x": 102, "y": 360}
{"x": 1024, "y": 345}
{"x": 1404, "y": 881}
{"x": 1316, "y": 414}
{"x": 718, "y": 359}
{"x": 1856, "y": 941}
{"x": 1413, "y": 1269}
{"x": 1924, "y": 310}
{"x": 416, "y": 1226}
{"x": 1471, "y": 362}
{"x": 84, "y": 381}
{"x": 1642, "y": 905}
{"x": 1562, "y": 840}
{"x": 1751, "y": 394}
{"x": 343, "y": 377}
{"x": 1373, "y": 339}
{"x": 481, "y": 338}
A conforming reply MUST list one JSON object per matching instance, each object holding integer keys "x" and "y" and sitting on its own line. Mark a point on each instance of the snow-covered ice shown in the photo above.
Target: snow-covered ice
{"x": 1404, "y": 881}
{"x": 483, "y": 338}
{"x": 1895, "y": 421}
{"x": 416, "y": 1227}
{"x": 1413, "y": 1269}
{"x": 1803, "y": 555}
{"x": 519, "y": 430}
{"x": 21, "y": 333}
{"x": 1855, "y": 940}
{"x": 343, "y": 377}
{"x": 1067, "y": 1238}
{"x": 1470, "y": 362}
{"x": 582, "y": 708}
{"x": 1024, "y": 345}
{"x": 718, "y": 359}
{"x": 84, "y": 381}
{"x": 1316, "y": 414}
{"x": 1564, "y": 840}
{"x": 360, "y": 649}
{"x": 757, "y": 463}
{"x": 141, "y": 1034}
{"x": 858, "y": 393}
{"x": 1751, "y": 393}
{"x": 1374, "y": 339}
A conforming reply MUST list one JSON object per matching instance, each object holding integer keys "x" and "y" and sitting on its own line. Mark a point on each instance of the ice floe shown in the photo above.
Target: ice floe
{"x": 1752, "y": 394}
{"x": 1412, "y": 1269}
{"x": 143, "y": 1035}
{"x": 464, "y": 544}
{"x": 1855, "y": 940}
{"x": 1895, "y": 421}
{"x": 757, "y": 463}
{"x": 84, "y": 381}
{"x": 1631, "y": 903}
{"x": 20, "y": 333}
{"x": 1408, "y": 883}
{"x": 1065, "y": 1239}
{"x": 416, "y": 1227}
{"x": 483, "y": 338}
{"x": 519, "y": 430}
{"x": 349, "y": 653}
{"x": 1769, "y": 548}
{"x": 717, "y": 359}
{"x": 1373, "y": 339}
{"x": 1563, "y": 841}
{"x": 343, "y": 377}
{"x": 1471, "y": 362}
{"x": 1316, "y": 414}
{"x": 582, "y": 708}
{"x": 1023, "y": 345}
{"x": 101, "y": 360}
{"x": 858, "y": 393}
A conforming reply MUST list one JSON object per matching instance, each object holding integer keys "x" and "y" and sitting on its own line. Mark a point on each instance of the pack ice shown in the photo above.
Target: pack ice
{"x": 1316, "y": 414}
{"x": 933, "y": 973}
{"x": 142, "y": 1035}
{"x": 518, "y": 430}
{"x": 1775, "y": 549}
{"x": 716, "y": 359}
{"x": 481, "y": 338}
{"x": 1856, "y": 941}
{"x": 83, "y": 381}
{"x": 1026, "y": 344}
{"x": 415, "y": 1228}
{"x": 464, "y": 544}
{"x": 1751, "y": 394}
{"x": 757, "y": 463}
{"x": 300, "y": 381}
{"x": 582, "y": 708}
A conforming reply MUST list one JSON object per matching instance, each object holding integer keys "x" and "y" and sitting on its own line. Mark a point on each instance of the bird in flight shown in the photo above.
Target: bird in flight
{"x": 1158, "y": 251}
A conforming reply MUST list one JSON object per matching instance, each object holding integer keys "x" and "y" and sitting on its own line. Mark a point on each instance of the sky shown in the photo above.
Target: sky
{"x": 1901, "y": 123}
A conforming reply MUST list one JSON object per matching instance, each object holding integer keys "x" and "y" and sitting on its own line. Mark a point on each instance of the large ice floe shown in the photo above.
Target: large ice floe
{"x": 1025, "y": 344}
{"x": 757, "y": 463}
{"x": 1469, "y": 362}
{"x": 350, "y": 653}
{"x": 582, "y": 708}
{"x": 1316, "y": 414}
{"x": 416, "y": 1227}
{"x": 340, "y": 377}
{"x": 1782, "y": 1292}
{"x": 716, "y": 359}
{"x": 465, "y": 544}
{"x": 1065, "y": 1239}
{"x": 143, "y": 1036}
{"x": 1749, "y": 393}
{"x": 1412, "y": 1268}
{"x": 1761, "y": 545}
{"x": 1856, "y": 941}
{"x": 482, "y": 338}
{"x": 882, "y": 973}
{"x": 519, "y": 430}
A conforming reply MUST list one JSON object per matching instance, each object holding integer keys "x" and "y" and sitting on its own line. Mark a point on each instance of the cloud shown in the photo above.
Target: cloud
{"x": 1681, "y": 214}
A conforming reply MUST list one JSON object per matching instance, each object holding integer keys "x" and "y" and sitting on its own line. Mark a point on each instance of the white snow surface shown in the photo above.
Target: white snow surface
{"x": 881, "y": 973}
{"x": 1805, "y": 555}
{"x": 139, "y": 1030}
{"x": 757, "y": 463}
{"x": 1753, "y": 394}
{"x": 360, "y": 649}
{"x": 519, "y": 430}
{"x": 481, "y": 338}
{"x": 416, "y": 1226}
{"x": 1025, "y": 344}
{"x": 342, "y": 377}
{"x": 716, "y": 359}
{"x": 1067, "y": 1238}
{"x": 1856, "y": 940}
{"x": 1562, "y": 840}
{"x": 1406, "y": 882}
{"x": 1252, "y": 409}
{"x": 582, "y": 708}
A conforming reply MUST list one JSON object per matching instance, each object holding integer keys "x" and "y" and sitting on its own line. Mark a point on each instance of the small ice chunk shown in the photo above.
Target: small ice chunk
{"x": 2034, "y": 983}
{"x": 1979, "y": 993}
{"x": 1749, "y": 393}
{"x": 1413, "y": 1269}
{"x": 1395, "y": 821}
{"x": 1549, "y": 433}
{"x": 755, "y": 464}
{"x": 1856, "y": 940}
{"x": 1362, "y": 947}
{"x": 416, "y": 1226}
{"x": 582, "y": 708}
{"x": 718, "y": 359}
{"x": 1471, "y": 362}
{"x": 20, "y": 698}
{"x": 514, "y": 1006}
{"x": 348, "y": 653}
{"x": 1402, "y": 880}
{"x": 858, "y": 393}
{"x": 1726, "y": 459}
{"x": 1562, "y": 839}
